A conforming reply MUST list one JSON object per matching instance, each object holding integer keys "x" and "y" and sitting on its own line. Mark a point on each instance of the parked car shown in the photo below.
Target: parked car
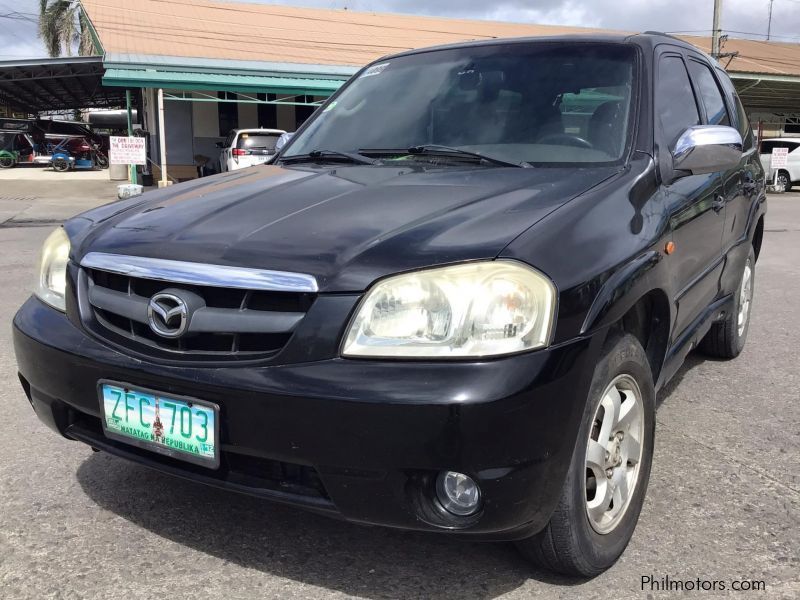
{"x": 791, "y": 173}
{"x": 447, "y": 306}
{"x": 247, "y": 147}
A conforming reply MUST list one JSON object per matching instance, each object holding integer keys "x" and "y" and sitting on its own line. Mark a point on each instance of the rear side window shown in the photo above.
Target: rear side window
{"x": 716, "y": 113}
{"x": 675, "y": 103}
{"x": 742, "y": 122}
{"x": 768, "y": 146}
{"x": 258, "y": 141}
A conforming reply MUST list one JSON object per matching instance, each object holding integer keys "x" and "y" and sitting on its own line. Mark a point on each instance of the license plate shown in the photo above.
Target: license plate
{"x": 176, "y": 426}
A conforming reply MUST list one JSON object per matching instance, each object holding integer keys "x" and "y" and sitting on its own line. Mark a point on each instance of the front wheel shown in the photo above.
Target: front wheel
{"x": 6, "y": 162}
{"x": 607, "y": 479}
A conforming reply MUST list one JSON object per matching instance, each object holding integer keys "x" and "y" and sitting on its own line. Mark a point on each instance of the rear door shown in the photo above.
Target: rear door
{"x": 693, "y": 202}
{"x": 225, "y": 154}
{"x": 742, "y": 183}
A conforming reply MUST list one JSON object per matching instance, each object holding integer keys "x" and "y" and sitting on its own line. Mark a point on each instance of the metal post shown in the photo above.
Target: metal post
{"x": 162, "y": 140}
{"x": 715, "y": 33}
{"x": 131, "y": 168}
{"x": 769, "y": 22}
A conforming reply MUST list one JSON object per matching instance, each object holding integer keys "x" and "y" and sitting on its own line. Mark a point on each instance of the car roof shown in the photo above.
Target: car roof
{"x": 648, "y": 39}
{"x": 260, "y": 129}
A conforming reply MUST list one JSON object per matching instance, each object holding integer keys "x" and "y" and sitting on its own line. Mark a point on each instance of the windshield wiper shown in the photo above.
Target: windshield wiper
{"x": 437, "y": 149}
{"x": 353, "y": 157}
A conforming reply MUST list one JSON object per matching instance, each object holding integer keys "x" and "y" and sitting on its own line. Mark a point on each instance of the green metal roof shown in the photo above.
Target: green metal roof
{"x": 184, "y": 80}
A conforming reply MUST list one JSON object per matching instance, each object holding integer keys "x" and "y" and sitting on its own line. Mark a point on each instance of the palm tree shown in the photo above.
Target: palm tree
{"x": 62, "y": 24}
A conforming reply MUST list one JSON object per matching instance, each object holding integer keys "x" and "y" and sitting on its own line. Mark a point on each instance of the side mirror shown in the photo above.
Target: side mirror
{"x": 285, "y": 137}
{"x": 707, "y": 149}
{"x": 218, "y": 144}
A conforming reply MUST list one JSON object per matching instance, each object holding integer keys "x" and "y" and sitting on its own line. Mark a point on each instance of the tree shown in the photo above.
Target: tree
{"x": 62, "y": 25}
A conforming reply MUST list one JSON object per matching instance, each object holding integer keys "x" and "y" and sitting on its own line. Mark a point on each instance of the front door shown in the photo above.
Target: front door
{"x": 695, "y": 203}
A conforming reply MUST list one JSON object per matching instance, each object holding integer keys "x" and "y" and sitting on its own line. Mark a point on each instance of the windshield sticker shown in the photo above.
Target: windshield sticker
{"x": 374, "y": 70}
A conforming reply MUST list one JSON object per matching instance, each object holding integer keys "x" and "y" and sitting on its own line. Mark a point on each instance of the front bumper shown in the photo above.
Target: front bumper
{"x": 358, "y": 439}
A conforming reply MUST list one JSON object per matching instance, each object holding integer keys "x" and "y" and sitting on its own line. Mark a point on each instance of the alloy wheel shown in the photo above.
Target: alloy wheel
{"x": 745, "y": 297}
{"x": 614, "y": 453}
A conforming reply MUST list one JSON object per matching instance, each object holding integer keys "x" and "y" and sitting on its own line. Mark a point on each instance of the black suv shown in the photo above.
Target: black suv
{"x": 446, "y": 307}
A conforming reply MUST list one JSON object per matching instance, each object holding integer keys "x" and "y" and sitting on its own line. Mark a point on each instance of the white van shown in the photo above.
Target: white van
{"x": 786, "y": 176}
{"x": 247, "y": 147}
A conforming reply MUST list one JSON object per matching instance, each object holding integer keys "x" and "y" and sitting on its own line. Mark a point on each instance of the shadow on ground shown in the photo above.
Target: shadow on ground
{"x": 693, "y": 360}
{"x": 288, "y": 543}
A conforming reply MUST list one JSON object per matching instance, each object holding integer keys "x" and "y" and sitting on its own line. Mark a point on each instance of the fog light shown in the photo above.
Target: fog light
{"x": 458, "y": 493}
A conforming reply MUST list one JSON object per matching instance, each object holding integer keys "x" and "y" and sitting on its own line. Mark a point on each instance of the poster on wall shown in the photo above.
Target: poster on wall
{"x": 127, "y": 150}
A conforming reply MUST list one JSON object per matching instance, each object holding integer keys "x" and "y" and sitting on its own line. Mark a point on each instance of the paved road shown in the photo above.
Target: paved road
{"x": 723, "y": 504}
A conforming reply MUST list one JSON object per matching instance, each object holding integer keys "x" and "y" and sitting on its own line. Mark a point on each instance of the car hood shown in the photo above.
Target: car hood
{"x": 347, "y": 226}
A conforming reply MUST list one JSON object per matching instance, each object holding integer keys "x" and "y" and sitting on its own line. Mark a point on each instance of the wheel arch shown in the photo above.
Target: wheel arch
{"x": 758, "y": 236}
{"x": 633, "y": 300}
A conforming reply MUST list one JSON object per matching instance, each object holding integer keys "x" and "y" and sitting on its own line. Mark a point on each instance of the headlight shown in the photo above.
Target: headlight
{"x": 474, "y": 309}
{"x": 52, "y": 283}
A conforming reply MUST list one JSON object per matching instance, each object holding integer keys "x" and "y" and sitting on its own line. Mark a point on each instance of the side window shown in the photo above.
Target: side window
{"x": 716, "y": 113}
{"x": 675, "y": 104}
{"x": 742, "y": 122}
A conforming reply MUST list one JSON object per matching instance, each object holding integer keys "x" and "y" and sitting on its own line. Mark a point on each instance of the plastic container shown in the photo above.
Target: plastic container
{"x": 128, "y": 190}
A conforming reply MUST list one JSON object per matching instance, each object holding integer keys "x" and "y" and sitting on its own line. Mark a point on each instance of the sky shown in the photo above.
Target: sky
{"x": 742, "y": 18}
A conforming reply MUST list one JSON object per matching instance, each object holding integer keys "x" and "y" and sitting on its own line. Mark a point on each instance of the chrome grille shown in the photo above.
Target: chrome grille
{"x": 226, "y": 323}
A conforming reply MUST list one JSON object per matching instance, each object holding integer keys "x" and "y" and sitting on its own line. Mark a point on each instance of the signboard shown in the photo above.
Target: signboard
{"x": 780, "y": 158}
{"x": 127, "y": 151}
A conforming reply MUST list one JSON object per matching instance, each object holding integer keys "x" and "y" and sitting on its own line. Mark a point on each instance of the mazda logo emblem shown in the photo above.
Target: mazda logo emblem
{"x": 168, "y": 315}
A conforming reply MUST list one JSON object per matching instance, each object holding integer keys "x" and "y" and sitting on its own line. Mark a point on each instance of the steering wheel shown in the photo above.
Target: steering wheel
{"x": 565, "y": 139}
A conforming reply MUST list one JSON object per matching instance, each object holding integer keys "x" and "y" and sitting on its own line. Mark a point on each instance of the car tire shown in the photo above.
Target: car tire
{"x": 7, "y": 162}
{"x": 784, "y": 181}
{"x": 582, "y": 539}
{"x": 60, "y": 165}
{"x": 726, "y": 338}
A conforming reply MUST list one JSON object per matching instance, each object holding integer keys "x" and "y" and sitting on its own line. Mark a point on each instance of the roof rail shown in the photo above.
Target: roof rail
{"x": 661, "y": 33}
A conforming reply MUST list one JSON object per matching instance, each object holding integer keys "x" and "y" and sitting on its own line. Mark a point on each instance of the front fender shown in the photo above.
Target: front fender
{"x": 624, "y": 288}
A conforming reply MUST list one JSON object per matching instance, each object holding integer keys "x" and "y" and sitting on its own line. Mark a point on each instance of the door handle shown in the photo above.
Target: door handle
{"x": 718, "y": 204}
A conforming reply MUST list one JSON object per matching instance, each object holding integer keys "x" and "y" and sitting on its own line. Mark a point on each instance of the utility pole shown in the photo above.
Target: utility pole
{"x": 769, "y": 22}
{"x": 715, "y": 32}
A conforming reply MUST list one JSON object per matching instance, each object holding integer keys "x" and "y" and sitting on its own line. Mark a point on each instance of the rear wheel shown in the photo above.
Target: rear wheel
{"x": 6, "y": 162}
{"x": 784, "y": 181}
{"x": 726, "y": 338}
{"x": 607, "y": 479}
{"x": 60, "y": 164}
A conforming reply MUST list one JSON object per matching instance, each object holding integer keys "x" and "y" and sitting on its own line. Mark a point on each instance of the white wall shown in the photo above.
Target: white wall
{"x": 248, "y": 116}
{"x": 206, "y": 118}
{"x": 285, "y": 114}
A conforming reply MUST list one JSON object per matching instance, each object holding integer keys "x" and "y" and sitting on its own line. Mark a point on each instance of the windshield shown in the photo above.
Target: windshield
{"x": 768, "y": 146}
{"x": 538, "y": 103}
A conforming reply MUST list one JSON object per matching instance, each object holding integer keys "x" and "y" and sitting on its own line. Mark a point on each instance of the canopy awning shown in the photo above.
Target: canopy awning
{"x": 767, "y": 92}
{"x": 53, "y": 84}
{"x": 221, "y": 82}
